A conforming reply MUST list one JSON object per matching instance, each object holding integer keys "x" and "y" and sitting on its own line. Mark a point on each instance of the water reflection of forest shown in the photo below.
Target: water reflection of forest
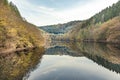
{"x": 103, "y": 54}
{"x": 15, "y": 66}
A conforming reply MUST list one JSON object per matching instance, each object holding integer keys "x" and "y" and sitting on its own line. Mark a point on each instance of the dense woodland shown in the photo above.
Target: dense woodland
{"x": 103, "y": 27}
{"x": 15, "y": 32}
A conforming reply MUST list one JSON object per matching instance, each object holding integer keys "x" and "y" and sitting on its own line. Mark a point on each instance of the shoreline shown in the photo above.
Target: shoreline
{"x": 7, "y": 51}
{"x": 89, "y": 41}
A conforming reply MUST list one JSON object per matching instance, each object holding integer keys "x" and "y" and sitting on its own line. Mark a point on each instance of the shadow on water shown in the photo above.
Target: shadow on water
{"x": 103, "y": 54}
{"x": 15, "y": 66}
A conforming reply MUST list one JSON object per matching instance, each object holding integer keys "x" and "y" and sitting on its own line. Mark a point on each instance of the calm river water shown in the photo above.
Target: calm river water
{"x": 63, "y": 61}
{"x": 78, "y": 61}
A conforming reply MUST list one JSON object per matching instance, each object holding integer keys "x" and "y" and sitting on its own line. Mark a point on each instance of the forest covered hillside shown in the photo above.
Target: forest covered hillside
{"x": 15, "y": 32}
{"x": 59, "y": 28}
{"x": 102, "y": 27}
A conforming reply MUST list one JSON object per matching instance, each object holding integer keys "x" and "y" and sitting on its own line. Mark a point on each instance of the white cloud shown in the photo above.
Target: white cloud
{"x": 85, "y": 11}
{"x": 42, "y": 15}
{"x": 45, "y": 8}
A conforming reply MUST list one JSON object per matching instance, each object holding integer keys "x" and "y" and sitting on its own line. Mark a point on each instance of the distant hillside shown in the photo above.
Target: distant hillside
{"x": 102, "y": 27}
{"x": 59, "y": 28}
{"x": 15, "y": 32}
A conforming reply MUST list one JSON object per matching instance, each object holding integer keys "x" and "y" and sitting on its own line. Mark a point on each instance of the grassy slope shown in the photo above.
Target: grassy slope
{"x": 15, "y": 32}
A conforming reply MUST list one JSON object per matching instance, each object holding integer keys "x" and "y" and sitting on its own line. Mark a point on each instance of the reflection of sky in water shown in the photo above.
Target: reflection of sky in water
{"x": 53, "y": 67}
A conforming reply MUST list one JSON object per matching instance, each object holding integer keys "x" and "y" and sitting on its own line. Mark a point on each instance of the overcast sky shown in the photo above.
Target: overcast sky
{"x": 47, "y": 12}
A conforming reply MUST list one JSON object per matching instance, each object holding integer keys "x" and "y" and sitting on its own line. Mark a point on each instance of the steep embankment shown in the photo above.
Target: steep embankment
{"x": 15, "y": 32}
